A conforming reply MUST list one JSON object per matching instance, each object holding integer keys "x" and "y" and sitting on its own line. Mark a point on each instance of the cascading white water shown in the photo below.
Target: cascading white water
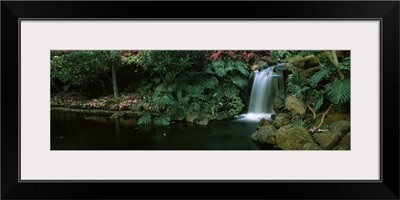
{"x": 267, "y": 84}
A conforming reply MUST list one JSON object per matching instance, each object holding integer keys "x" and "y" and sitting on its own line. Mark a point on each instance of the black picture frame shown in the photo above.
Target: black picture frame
{"x": 386, "y": 11}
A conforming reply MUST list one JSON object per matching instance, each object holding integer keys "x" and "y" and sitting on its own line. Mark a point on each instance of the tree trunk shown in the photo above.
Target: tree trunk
{"x": 335, "y": 62}
{"x": 114, "y": 81}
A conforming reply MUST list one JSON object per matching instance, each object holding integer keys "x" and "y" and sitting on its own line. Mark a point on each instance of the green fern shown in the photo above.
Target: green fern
{"x": 219, "y": 93}
{"x": 194, "y": 91}
{"x": 296, "y": 84}
{"x": 156, "y": 80}
{"x": 235, "y": 105}
{"x": 242, "y": 68}
{"x": 210, "y": 83}
{"x": 345, "y": 64}
{"x": 296, "y": 79}
{"x": 231, "y": 90}
{"x": 170, "y": 77}
{"x": 239, "y": 81}
{"x": 339, "y": 91}
{"x": 220, "y": 71}
{"x": 179, "y": 95}
{"x": 167, "y": 99}
{"x": 317, "y": 77}
{"x": 318, "y": 98}
{"x": 229, "y": 65}
{"x": 162, "y": 120}
{"x": 217, "y": 64}
{"x": 145, "y": 119}
{"x": 194, "y": 106}
{"x": 299, "y": 91}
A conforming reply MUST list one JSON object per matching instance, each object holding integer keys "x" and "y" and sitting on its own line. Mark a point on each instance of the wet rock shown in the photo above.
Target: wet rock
{"x": 307, "y": 73}
{"x": 312, "y": 62}
{"x": 298, "y": 61}
{"x": 342, "y": 126}
{"x": 177, "y": 117}
{"x": 292, "y": 137}
{"x": 305, "y": 62}
{"x": 328, "y": 140}
{"x": 344, "y": 144}
{"x": 117, "y": 115}
{"x": 207, "y": 116}
{"x": 295, "y": 105}
{"x": 192, "y": 117}
{"x": 311, "y": 146}
{"x": 254, "y": 67}
{"x": 266, "y": 134}
{"x": 279, "y": 105}
{"x": 282, "y": 119}
{"x": 336, "y": 117}
{"x": 263, "y": 122}
{"x": 203, "y": 122}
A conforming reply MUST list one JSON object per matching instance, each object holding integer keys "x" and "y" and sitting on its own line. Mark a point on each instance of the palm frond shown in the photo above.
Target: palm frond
{"x": 317, "y": 77}
{"x": 239, "y": 81}
{"x": 145, "y": 119}
{"x": 339, "y": 91}
{"x": 210, "y": 82}
{"x": 162, "y": 120}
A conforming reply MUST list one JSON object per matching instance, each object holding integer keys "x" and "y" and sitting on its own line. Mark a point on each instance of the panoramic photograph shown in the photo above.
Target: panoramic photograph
{"x": 200, "y": 99}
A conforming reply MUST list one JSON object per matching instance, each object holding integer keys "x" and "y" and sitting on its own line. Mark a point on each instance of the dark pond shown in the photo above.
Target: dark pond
{"x": 72, "y": 131}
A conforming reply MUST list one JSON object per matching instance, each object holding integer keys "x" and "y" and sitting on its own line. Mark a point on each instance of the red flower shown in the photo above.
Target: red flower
{"x": 215, "y": 55}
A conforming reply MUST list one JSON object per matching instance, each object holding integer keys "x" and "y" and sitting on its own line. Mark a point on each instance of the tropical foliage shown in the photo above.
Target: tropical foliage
{"x": 161, "y": 84}
{"x": 330, "y": 84}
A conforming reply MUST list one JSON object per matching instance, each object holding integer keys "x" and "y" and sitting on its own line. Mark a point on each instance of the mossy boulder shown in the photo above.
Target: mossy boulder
{"x": 307, "y": 73}
{"x": 282, "y": 119}
{"x": 295, "y": 105}
{"x": 192, "y": 117}
{"x": 342, "y": 126}
{"x": 298, "y": 61}
{"x": 177, "y": 117}
{"x": 292, "y": 137}
{"x": 344, "y": 143}
{"x": 311, "y": 146}
{"x": 328, "y": 140}
{"x": 330, "y": 118}
{"x": 266, "y": 134}
{"x": 263, "y": 122}
{"x": 336, "y": 117}
{"x": 279, "y": 105}
{"x": 305, "y": 62}
{"x": 203, "y": 122}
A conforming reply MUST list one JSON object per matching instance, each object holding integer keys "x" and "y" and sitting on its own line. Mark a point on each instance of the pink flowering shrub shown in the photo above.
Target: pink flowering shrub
{"x": 249, "y": 56}
{"x": 95, "y": 104}
{"x": 124, "y": 102}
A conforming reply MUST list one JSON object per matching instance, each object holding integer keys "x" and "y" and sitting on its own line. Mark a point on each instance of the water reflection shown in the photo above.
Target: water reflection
{"x": 82, "y": 132}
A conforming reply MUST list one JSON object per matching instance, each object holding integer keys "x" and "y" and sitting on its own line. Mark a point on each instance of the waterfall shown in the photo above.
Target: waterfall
{"x": 267, "y": 84}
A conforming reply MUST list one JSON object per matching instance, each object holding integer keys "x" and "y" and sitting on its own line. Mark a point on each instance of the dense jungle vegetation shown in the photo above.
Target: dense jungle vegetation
{"x": 162, "y": 85}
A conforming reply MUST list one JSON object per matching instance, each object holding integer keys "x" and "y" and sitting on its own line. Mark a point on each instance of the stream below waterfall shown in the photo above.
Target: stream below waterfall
{"x": 74, "y": 131}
